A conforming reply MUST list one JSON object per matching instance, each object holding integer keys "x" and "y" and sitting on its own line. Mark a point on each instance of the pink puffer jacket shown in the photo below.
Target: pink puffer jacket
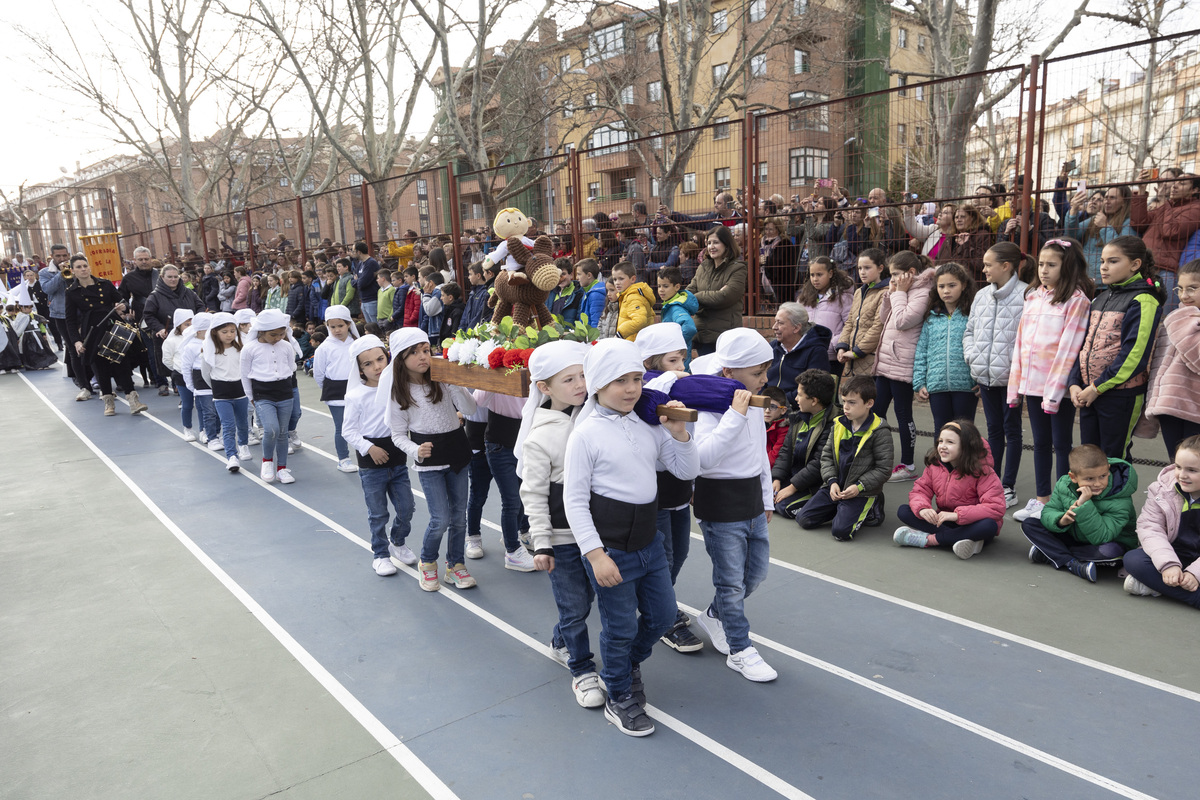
{"x": 973, "y": 499}
{"x": 902, "y": 313}
{"x": 1158, "y": 523}
{"x": 1175, "y": 372}
{"x": 833, "y": 315}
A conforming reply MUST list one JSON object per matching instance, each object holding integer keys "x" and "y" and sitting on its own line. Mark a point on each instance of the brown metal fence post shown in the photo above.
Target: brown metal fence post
{"x": 576, "y": 205}
{"x": 749, "y": 182}
{"x": 203, "y": 239}
{"x": 1041, "y": 159}
{"x": 250, "y": 259}
{"x": 1027, "y": 184}
{"x": 170, "y": 242}
{"x": 300, "y": 231}
{"x": 366, "y": 207}
{"x": 460, "y": 269}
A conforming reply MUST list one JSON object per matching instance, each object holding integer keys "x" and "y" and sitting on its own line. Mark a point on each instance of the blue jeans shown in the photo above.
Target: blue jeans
{"x": 273, "y": 416}
{"x": 370, "y": 310}
{"x": 1003, "y": 432}
{"x": 339, "y": 444}
{"x": 187, "y": 402}
{"x": 1058, "y": 429}
{"x": 481, "y": 479}
{"x": 886, "y": 391}
{"x": 573, "y": 594}
{"x": 446, "y": 496}
{"x": 208, "y": 415}
{"x": 502, "y": 461}
{"x": 295, "y": 419}
{"x": 379, "y": 484}
{"x": 740, "y": 553}
{"x": 634, "y": 613}
{"x": 949, "y": 406}
{"x": 234, "y": 418}
{"x": 676, "y": 528}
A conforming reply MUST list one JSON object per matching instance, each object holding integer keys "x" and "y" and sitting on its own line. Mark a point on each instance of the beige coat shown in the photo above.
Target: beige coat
{"x": 863, "y": 327}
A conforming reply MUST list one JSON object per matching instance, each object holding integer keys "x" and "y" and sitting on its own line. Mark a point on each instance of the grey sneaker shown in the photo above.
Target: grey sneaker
{"x": 628, "y": 715}
{"x": 910, "y": 537}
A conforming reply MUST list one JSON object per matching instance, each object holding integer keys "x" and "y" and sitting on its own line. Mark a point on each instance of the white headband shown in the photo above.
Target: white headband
{"x": 606, "y": 361}
{"x": 399, "y": 341}
{"x": 243, "y": 315}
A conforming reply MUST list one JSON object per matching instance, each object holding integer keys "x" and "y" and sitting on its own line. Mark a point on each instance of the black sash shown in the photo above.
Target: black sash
{"x": 274, "y": 391}
{"x": 177, "y": 379}
{"x": 502, "y": 430}
{"x": 332, "y": 390}
{"x": 673, "y": 492}
{"x": 624, "y": 526}
{"x": 727, "y": 499}
{"x": 558, "y": 512}
{"x": 198, "y": 379}
{"x": 475, "y": 433}
{"x": 396, "y": 456}
{"x": 227, "y": 390}
{"x": 449, "y": 449}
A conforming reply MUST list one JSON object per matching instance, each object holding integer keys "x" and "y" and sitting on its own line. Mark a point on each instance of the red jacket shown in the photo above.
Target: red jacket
{"x": 1166, "y": 228}
{"x": 973, "y": 499}
{"x": 776, "y": 434}
{"x": 412, "y": 307}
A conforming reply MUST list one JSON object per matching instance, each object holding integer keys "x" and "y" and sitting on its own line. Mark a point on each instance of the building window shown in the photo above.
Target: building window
{"x": 1077, "y": 135}
{"x": 654, "y": 187}
{"x": 1094, "y": 161}
{"x": 564, "y": 63}
{"x": 720, "y": 20}
{"x": 902, "y": 134}
{"x": 919, "y": 136}
{"x": 762, "y": 172}
{"x": 807, "y": 164}
{"x": 758, "y": 10}
{"x": 758, "y": 65}
{"x": 589, "y": 101}
{"x": 610, "y": 136}
{"x": 626, "y": 188}
{"x": 543, "y": 72}
{"x": 719, "y": 71}
{"x": 355, "y": 179}
{"x": 283, "y": 183}
{"x": 721, "y": 128}
{"x": 922, "y": 43}
{"x": 760, "y": 121}
{"x": 799, "y": 7}
{"x": 1187, "y": 138}
{"x": 815, "y": 119}
{"x": 593, "y": 191}
{"x": 627, "y": 96}
{"x": 308, "y": 186}
{"x": 568, "y": 109}
{"x": 902, "y": 38}
{"x": 1191, "y": 103}
{"x": 654, "y": 91}
{"x": 652, "y": 43}
{"x": 799, "y": 61}
{"x": 605, "y": 43}
{"x": 721, "y": 178}
{"x": 689, "y": 183}
{"x": 902, "y": 82}
{"x": 1097, "y": 130}
{"x": 920, "y": 92}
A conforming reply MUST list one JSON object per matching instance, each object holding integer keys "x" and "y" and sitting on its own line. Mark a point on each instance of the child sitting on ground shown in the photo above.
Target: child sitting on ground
{"x": 855, "y": 464}
{"x": 1089, "y": 518}
{"x": 1168, "y": 561}
{"x": 775, "y": 417}
{"x": 796, "y": 474}
{"x": 969, "y": 499}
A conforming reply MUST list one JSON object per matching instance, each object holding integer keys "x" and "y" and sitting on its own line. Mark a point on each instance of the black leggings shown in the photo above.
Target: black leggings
{"x": 887, "y": 390}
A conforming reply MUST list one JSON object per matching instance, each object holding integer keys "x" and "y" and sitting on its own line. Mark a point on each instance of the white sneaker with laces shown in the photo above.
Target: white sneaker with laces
{"x": 188, "y": 435}
{"x": 383, "y": 567}
{"x": 285, "y": 475}
{"x": 232, "y": 464}
{"x": 751, "y": 665}
{"x": 716, "y": 632}
{"x": 401, "y": 554}
{"x": 202, "y": 437}
{"x": 474, "y": 547}
{"x": 1032, "y": 509}
{"x": 1010, "y": 497}
{"x": 268, "y": 471}
{"x": 903, "y": 472}
{"x": 243, "y": 452}
{"x": 1138, "y": 589}
{"x": 525, "y": 539}
{"x": 588, "y": 692}
{"x": 519, "y": 560}
{"x": 216, "y": 445}
{"x": 346, "y": 465}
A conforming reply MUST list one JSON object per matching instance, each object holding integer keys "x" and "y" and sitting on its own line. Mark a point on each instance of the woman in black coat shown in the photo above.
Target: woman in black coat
{"x": 159, "y": 312}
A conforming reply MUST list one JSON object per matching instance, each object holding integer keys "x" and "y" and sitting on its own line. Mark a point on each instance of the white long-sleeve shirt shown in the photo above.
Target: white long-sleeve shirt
{"x": 365, "y": 416}
{"x": 426, "y": 417}
{"x": 226, "y": 366}
{"x": 189, "y": 359}
{"x": 332, "y": 360}
{"x": 735, "y": 446}
{"x": 170, "y": 350}
{"x": 616, "y": 456}
{"x": 266, "y": 363}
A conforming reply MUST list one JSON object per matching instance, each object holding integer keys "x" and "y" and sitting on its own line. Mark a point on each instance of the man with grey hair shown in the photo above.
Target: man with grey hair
{"x": 135, "y": 287}
{"x": 798, "y": 345}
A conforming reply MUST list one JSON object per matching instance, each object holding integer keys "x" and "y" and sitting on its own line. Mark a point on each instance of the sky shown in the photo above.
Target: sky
{"x": 53, "y": 131}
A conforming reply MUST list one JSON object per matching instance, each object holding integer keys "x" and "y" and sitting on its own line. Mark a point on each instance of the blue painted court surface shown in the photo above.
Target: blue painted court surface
{"x": 879, "y": 695}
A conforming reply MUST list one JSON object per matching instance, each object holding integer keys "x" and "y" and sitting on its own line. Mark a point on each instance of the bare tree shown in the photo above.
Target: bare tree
{"x": 16, "y": 218}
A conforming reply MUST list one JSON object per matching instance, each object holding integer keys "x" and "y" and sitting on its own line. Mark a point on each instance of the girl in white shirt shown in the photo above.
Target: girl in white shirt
{"x": 268, "y": 372}
{"x": 422, "y": 416}
{"x": 221, "y": 366}
{"x": 331, "y": 369}
{"x": 189, "y": 360}
{"x": 181, "y": 322}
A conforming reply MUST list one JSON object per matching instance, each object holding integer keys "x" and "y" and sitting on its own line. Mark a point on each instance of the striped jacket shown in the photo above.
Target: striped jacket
{"x": 1116, "y": 351}
{"x": 1048, "y": 341}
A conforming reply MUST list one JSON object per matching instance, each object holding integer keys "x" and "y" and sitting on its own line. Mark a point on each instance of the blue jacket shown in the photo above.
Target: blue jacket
{"x": 811, "y": 352}
{"x": 431, "y": 324}
{"x": 312, "y": 301}
{"x": 679, "y": 309}
{"x": 1190, "y": 253}
{"x": 566, "y": 302}
{"x": 594, "y": 299}
{"x": 296, "y": 304}
{"x": 940, "y": 365}
{"x": 367, "y": 285}
{"x": 476, "y": 307}
{"x": 56, "y": 291}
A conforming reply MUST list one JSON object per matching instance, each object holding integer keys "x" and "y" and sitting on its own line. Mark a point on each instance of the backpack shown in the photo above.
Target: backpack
{"x": 842, "y": 257}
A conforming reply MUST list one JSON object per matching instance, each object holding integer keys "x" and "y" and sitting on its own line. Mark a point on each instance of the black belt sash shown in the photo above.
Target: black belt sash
{"x": 450, "y": 449}
{"x": 558, "y": 512}
{"x": 227, "y": 390}
{"x": 475, "y": 434}
{"x": 624, "y": 526}
{"x": 198, "y": 380}
{"x": 727, "y": 499}
{"x": 396, "y": 456}
{"x": 502, "y": 430}
{"x": 176, "y": 378}
{"x": 673, "y": 492}
{"x": 273, "y": 391}
{"x": 332, "y": 390}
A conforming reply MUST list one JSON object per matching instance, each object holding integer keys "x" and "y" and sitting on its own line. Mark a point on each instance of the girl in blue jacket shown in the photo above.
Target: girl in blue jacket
{"x": 940, "y": 368}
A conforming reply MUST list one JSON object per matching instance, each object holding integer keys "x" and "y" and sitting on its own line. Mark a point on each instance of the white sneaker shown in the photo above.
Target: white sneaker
{"x": 202, "y": 437}
{"x": 401, "y": 554}
{"x": 716, "y": 632}
{"x": 428, "y": 576}
{"x": 1010, "y": 497}
{"x": 1138, "y": 589}
{"x": 253, "y": 439}
{"x": 268, "y": 471}
{"x": 346, "y": 465}
{"x": 215, "y": 445}
{"x": 243, "y": 452}
{"x": 525, "y": 539}
{"x": 294, "y": 438}
{"x": 84, "y": 394}
{"x": 588, "y": 692}
{"x": 903, "y": 472}
{"x": 232, "y": 464}
{"x": 474, "y": 547}
{"x": 560, "y": 654}
{"x": 383, "y": 567}
{"x": 965, "y": 548}
{"x": 1032, "y": 509}
{"x": 750, "y": 664}
{"x": 188, "y": 435}
{"x": 285, "y": 475}
{"x": 519, "y": 560}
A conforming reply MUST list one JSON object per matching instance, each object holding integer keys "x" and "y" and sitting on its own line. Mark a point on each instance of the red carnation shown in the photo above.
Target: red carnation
{"x": 496, "y": 358}
{"x": 512, "y": 358}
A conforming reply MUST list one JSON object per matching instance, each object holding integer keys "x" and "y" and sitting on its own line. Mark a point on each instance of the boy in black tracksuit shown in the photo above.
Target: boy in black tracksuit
{"x": 796, "y": 474}
{"x": 855, "y": 464}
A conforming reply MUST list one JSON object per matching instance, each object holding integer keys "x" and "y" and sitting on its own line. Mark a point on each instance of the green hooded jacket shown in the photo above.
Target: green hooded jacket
{"x": 1110, "y": 517}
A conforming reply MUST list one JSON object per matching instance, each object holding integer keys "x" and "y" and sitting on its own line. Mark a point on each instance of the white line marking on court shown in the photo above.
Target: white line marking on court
{"x": 317, "y": 411}
{"x": 388, "y": 740}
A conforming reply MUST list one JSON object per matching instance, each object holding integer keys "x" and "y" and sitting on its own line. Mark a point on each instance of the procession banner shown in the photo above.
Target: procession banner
{"x": 103, "y": 255}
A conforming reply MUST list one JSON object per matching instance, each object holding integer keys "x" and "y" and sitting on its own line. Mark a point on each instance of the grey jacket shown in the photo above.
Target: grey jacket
{"x": 991, "y": 334}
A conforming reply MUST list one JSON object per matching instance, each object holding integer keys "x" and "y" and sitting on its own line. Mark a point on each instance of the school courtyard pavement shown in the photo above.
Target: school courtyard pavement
{"x": 168, "y": 630}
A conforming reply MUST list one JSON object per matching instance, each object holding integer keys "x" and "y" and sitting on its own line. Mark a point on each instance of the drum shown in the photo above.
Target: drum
{"x": 114, "y": 345}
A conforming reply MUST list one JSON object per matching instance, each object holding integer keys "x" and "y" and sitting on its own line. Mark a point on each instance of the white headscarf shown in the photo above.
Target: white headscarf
{"x": 706, "y": 365}
{"x": 243, "y": 315}
{"x": 360, "y": 346}
{"x": 606, "y": 361}
{"x": 742, "y": 347}
{"x": 208, "y": 349}
{"x": 341, "y": 312}
{"x": 545, "y": 362}
{"x": 200, "y": 322}
{"x": 399, "y": 341}
{"x": 181, "y": 316}
{"x": 272, "y": 319}
{"x": 660, "y": 339}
